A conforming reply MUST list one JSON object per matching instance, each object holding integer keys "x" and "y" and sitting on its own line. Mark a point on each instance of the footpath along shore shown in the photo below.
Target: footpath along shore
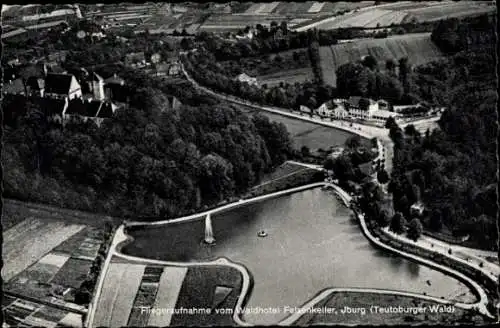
{"x": 120, "y": 238}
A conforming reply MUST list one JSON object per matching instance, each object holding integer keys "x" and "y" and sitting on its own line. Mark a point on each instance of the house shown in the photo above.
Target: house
{"x": 334, "y": 109}
{"x": 60, "y": 86}
{"x": 383, "y": 104}
{"x": 175, "y": 69}
{"x": 53, "y": 108}
{"x": 93, "y": 110}
{"x": 305, "y": 110}
{"x": 115, "y": 89}
{"x": 96, "y": 86}
{"x": 54, "y": 67}
{"x": 417, "y": 208}
{"x": 410, "y": 109}
{"x": 360, "y": 107}
{"x": 248, "y": 79}
{"x": 35, "y": 86}
{"x": 135, "y": 59}
{"x": 381, "y": 116}
{"x": 14, "y": 87}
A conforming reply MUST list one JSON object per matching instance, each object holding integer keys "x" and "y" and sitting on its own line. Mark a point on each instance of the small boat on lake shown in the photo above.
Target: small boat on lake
{"x": 262, "y": 233}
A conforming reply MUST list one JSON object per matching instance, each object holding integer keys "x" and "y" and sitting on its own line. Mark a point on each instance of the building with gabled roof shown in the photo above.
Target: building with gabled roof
{"x": 35, "y": 86}
{"x": 243, "y": 77}
{"x": 62, "y": 86}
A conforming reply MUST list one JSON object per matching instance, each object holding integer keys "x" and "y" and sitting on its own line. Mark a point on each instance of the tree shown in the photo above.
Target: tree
{"x": 436, "y": 222}
{"x": 415, "y": 229}
{"x": 398, "y": 223}
{"x": 390, "y": 66}
{"x": 382, "y": 176}
{"x": 305, "y": 152}
{"x": 383, "y": 219}
{"x": 353, "y": 141}
{"x": 390, "y": 123}
{"x": 370, "y": 62}
{"x": 404, "y": 74}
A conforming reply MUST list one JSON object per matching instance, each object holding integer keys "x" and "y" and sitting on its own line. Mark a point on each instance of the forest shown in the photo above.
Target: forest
{"x": 148, "y": 160}
{"x": 453, "y": 170}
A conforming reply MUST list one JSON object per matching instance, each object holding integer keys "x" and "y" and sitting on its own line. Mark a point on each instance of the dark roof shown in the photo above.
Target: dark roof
{"x": 106, "y": 110}
{"x": 77, "y": 107}
{"x": 56, "y": 69}
{"x": 93, "y": 107}
{"x": 354, "y": 101}
{"x": 96, "y": 77}
{"x": 35, "y": 83}
{"x": 58, "y": 83}
{"x": 115, "y": 80}
{"x": 51, "y": 106}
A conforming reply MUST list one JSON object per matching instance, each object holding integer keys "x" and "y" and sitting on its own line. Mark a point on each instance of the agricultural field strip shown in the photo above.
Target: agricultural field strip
{"x": 37, "y": 314}
{"x": 170, "y": 285}
{"x": 121, "y": 285}
{"x": 253, "y": 9}
{"x": 268, "y": 7}
{"x": 71, "y": 320}
{"x": 316, "y": 7}
{"x": 29, "y": 240}
{"x": 393, "y": 17}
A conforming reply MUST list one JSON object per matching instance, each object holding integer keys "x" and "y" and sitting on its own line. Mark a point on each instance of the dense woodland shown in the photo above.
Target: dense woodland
{"x": 147, "y": 160}
{"x": 453, "y": 170}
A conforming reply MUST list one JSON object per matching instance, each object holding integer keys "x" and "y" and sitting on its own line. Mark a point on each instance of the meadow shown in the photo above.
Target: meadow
{"x": 417, "y": 47}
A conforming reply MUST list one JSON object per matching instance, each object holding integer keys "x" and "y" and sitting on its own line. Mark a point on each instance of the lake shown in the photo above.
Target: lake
{"x": 313, "y": 243}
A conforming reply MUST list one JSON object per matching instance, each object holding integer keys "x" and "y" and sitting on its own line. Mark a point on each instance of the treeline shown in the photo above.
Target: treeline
{"x": 276, "y": 38}
{"x": 148, "y": 159}
{"x": 203, "y": 67}
{"x": 454, "y": 35}
{"x": 365, "y": 78}
{"x": 453, "y": 169}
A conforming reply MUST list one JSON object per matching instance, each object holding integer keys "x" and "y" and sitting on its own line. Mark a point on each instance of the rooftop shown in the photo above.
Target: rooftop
{"x": 58, "y": 83}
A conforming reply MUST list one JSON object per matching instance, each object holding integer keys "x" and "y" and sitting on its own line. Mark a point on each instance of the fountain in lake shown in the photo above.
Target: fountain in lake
{"x": 209, "y": 234}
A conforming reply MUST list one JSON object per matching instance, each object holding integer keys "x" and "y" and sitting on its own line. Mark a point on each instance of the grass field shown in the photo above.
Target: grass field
{"x": 417, "y": 47}
{"x": 288, "y": 76}
{"x": 365, "y": 300}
